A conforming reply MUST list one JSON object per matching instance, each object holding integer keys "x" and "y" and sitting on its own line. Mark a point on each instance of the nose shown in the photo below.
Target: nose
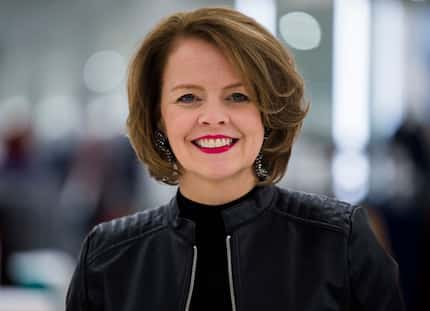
{"x": 213, "y": 113}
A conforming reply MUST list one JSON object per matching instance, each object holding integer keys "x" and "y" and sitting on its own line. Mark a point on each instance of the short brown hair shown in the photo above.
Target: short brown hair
{"x": 267, "y": 68}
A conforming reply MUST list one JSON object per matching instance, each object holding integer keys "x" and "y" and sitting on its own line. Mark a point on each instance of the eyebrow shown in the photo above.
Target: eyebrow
{"x": 195, "y": 86}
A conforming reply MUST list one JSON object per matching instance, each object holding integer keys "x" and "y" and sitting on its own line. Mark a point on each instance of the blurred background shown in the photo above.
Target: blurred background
{"x": 66, "y": 164}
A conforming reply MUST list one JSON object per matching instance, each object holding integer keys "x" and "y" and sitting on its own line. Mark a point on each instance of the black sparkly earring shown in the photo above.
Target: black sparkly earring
{"x": 162, "y": 144}
{"x": 260, "y": 171}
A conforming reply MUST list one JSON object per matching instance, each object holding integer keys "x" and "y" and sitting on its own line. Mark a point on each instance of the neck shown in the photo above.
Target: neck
{"x": 215, "y": 192}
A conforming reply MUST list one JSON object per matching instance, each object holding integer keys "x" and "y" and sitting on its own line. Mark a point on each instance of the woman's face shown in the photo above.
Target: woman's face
{"x": 213, "y": 126}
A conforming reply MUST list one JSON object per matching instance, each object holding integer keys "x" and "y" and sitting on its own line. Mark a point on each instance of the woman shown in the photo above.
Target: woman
{"x": 215, "y": 104}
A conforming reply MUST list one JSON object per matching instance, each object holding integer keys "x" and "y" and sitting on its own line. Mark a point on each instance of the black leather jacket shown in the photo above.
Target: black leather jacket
{"x": 286, "y": 251}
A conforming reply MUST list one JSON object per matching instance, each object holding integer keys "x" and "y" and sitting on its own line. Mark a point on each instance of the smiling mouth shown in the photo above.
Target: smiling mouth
{"x": 214, "y": 142}
{"x": 217, "y": 145}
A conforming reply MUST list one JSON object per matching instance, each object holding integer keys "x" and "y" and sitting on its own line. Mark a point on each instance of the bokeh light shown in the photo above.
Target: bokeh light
{"x": 300, "y": 30}
{"x": 106, "y": 116}
{"x": 104, "y": 71}
{"x": 350, "y": 176}
{"x": 56, "y": 117}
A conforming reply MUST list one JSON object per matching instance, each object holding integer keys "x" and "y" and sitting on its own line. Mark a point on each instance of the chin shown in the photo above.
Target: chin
{"x": 219, "y": 175}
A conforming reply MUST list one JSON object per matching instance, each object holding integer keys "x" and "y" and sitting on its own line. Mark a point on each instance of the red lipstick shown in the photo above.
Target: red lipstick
{"x": 215, "y": 149}
{"x": 213, "y": 137}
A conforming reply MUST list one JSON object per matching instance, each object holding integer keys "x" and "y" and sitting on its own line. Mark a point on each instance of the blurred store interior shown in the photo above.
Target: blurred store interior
{"x": 66, "y": 164}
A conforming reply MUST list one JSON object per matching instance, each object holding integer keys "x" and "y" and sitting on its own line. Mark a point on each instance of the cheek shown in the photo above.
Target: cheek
{"x": 176, "y": 125}
{"x": 252, "y": 123}
{"x": 168, "y": 118}
{"x": 163, "y": 118}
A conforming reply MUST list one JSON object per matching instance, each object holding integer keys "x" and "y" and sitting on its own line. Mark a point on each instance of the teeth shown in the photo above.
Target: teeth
{"x": 214, "y": 143}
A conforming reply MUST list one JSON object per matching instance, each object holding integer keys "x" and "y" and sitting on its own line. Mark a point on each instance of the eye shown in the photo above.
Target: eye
{"x": 187, "y": 98}
{"x": 238, "y": 97}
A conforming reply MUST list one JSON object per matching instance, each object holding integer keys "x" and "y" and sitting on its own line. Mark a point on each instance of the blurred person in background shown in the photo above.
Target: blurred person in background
{"x": 52, "y": 194}
{"x": 27, "y": 196}
{"x": 215, "y": 106}
{"x": 100, "y": 186}
{"x": 410, "y": 144}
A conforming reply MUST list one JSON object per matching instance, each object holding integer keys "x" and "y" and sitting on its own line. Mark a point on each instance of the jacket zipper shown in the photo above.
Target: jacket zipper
{"x": 230, "y": 276}
{"x": 193, "y": 276}
{"x": 230, "y": 273}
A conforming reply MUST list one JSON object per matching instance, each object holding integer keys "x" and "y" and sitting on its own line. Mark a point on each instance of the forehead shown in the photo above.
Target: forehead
{"x": 197, "y": 60}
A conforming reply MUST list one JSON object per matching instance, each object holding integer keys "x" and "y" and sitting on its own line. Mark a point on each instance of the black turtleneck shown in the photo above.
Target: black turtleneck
{"x": 211, "y": 285}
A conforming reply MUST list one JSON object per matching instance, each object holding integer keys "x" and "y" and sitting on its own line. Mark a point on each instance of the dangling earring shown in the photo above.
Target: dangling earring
{"x": 162, "y": 144}
{"x": 260, "y": 171}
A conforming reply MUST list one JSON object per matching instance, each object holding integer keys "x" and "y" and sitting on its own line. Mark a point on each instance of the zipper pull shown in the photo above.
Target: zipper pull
{"x": 230, "y": 273}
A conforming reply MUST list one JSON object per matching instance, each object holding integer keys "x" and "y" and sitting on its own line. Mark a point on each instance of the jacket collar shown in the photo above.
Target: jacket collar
{"x": 233, "y": 216}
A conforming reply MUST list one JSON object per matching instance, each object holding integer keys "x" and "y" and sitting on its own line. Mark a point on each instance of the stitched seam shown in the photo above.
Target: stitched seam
{"x": 263, "y": 211}
{"x": 313, "y": 222}
{"x": 124, "y": 242}
{"x": 276, "y": 194}
{"x": 354, "y": 210}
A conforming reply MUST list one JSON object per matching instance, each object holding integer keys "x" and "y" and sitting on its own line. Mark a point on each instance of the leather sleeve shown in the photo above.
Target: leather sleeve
{"x": 77, "y": 297}
{"x": 373, "y": 273}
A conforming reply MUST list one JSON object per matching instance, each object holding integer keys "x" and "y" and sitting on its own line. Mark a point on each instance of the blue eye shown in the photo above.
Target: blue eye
{"x": 187, "y": 98}
{"x": 238, "y": 97}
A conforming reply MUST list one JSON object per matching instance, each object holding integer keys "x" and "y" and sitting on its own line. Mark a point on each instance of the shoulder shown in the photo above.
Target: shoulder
{"x": 125, "y": 230}
{"x": 315, "y": 209}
